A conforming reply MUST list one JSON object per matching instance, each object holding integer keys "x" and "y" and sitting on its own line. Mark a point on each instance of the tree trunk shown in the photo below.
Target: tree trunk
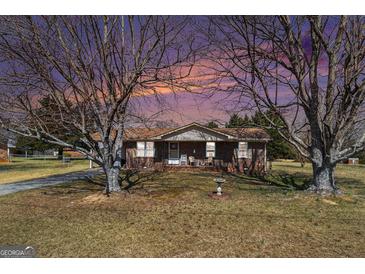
{"x": 112, "y": 175}
{"x": 302, "y": 162}
{"x": 324, "y": 179}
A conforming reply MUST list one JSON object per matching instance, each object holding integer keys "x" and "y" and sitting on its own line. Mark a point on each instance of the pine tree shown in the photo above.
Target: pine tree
{"x": 212, "y": 124}
{"x": 237, "y": 121}
{"x": 277, "y": 148}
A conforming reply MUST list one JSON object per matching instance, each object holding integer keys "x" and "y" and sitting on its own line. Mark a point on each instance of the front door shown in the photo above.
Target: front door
{"x": 173, "y": 153}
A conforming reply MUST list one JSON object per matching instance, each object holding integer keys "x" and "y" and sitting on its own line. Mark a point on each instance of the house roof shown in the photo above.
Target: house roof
{"x": 252, "y": 133}
{"x": 232, "y": 133}
{"x": 144, "y": 133}
{"x": 246, "y": 133}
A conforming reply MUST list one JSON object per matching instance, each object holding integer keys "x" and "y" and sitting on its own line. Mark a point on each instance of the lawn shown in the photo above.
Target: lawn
{"x": 171, "y": 215}
{"x": 21, "y": 169}
{"x": 351, "y": 178}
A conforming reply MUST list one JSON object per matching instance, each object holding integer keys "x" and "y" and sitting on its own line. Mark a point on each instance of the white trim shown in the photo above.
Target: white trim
{"x": 191, "y": 125}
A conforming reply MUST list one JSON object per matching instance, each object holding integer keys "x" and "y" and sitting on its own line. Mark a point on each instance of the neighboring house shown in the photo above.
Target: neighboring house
{"x": 352, "y": 161}
{"x": 68, "y": 152}
{"x": 7, "y": 140}
{"x": 3, "y": 153}
{"x": 229, "y": 149}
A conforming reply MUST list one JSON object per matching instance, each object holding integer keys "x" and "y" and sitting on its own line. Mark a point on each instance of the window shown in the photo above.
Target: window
{"x": 140, "y": 149}
{"x": 150, "y": 149}
{"x": 145, "y": 149}
{"x": 242, "y": 150}
{"x": 210, "y": 149}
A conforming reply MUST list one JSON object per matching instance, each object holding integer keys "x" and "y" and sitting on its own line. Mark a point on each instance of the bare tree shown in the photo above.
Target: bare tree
{"x": 90, "y": 67}
{"x": 307, "y": 69}
{"x": 3, "y": 137}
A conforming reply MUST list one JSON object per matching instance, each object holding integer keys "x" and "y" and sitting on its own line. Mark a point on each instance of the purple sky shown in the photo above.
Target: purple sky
{"x": 184, "y": 107}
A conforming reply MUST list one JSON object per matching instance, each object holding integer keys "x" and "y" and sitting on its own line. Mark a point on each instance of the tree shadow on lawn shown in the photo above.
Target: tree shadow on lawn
{"x": 71, "y": 188}
{"x": 134, "y": 179}
{"x": 279, "y": 182}
{"x": 296, "y": 181}
{"x": 131, "y": 182}
{"x": 160, "y": 183}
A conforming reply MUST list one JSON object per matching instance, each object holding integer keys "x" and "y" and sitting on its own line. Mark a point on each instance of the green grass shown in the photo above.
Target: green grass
{"x": 21, "y": 169}
{"x": 171, "y": 215}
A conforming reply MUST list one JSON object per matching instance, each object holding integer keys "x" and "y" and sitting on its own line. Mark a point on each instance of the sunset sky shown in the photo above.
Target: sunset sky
{"x": 183, "y": 107}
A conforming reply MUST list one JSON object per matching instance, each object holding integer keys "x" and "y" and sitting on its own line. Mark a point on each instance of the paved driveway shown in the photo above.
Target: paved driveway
{"x": 47, "y": 181}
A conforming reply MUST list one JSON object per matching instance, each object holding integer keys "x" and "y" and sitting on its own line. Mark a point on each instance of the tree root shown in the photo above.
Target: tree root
{"x": 324, "y": 191}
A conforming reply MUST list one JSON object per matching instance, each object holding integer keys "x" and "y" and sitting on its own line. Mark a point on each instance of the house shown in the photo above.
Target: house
{"x": 353, "y": 161}
{"x": 68, "y": 152}
{"x": 3, "y": 153}
{"x": 194, "y": 145}
{"x": 5, "y": 140}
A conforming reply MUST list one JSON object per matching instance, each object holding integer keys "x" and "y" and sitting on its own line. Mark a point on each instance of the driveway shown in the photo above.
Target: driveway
{"x": 47, "y": 181}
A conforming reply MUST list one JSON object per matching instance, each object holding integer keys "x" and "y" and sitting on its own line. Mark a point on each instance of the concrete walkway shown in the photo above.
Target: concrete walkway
{"x": 47, "y": 181}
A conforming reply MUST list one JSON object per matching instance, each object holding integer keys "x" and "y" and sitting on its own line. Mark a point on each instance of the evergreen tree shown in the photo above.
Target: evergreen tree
{"x": 50, "y": 118}
{"x": 237, "y": 121}
{"x": 212, "y": 124}
{"x": 277, "y": 148}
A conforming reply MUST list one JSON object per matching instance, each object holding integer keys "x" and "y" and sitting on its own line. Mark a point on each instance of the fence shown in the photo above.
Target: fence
{"x": 44, "y": 157}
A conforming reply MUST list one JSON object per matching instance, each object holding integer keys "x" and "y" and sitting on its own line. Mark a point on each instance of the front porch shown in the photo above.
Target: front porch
{"x": 198, "y": 155}
{"x": 195, "y": 153}
{"x": 196, "y": 146}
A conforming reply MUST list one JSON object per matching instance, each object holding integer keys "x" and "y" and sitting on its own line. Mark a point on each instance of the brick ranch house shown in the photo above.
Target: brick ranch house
{"x": 194, "y": 145}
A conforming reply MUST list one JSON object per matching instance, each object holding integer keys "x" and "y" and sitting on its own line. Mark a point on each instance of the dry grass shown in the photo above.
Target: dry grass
{"x": 351, "y": 178}
{"x": 22, "y": 169}
{"x": 171, "y": 215}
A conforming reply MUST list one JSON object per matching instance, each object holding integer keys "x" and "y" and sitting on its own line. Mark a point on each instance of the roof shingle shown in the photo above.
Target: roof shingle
{"x": 238, "y": 133}
{"x": 152, "y": 133}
